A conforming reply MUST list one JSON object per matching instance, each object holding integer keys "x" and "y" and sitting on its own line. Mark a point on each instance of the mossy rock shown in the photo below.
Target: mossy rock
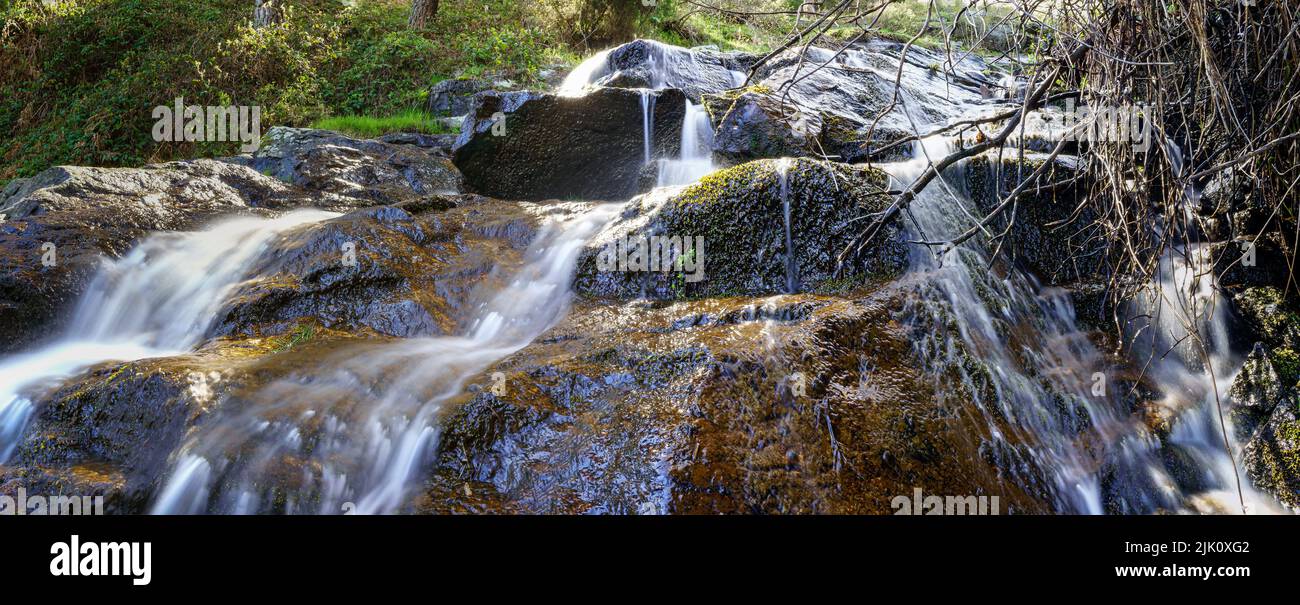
{"x": 740, "y": 215}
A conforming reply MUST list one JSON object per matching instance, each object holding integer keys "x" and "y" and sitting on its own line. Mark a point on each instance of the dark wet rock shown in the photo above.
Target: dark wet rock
{"x": 1263, "y": 260}
{"x": 396, "y": 270}
{"x": 758, "y": 125}
{"x": 1272, "y": 457}
{"x": 73, "y": 216}
{"x": 552, "y": 147}
{"x": 739, "y": 215}
{"x": 655, "y": 65}
{"x": 1270, "y": 315}
{"x": 629, "y": 409}
{"x": 369, "y": 171}
{"x": 1047, "y": 238}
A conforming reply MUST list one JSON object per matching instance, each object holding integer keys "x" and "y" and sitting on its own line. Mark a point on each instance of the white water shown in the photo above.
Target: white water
{"x": 157, "y": 300}
{"x": 696, "y": 159}
{"x": 356, "y": 434}
{"x": 791, "y": 275}
{"x": 648, "y": 123}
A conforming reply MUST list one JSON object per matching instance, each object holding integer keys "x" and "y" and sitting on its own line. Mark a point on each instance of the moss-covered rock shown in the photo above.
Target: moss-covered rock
{"x": 740, "y": 215}
{"x": 1255, "y": 391}
{"x": 1273, "y": 455}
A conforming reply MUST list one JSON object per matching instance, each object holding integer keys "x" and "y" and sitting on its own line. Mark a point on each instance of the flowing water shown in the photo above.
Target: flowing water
{"x": 1056, "y": 416}
{"x": 157, "y": 300}
{"x": 355, "y": 433}
{"x": 696, "y": 159}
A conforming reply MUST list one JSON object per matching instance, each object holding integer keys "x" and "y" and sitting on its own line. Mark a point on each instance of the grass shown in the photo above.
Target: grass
{"x": 370, "y": 127}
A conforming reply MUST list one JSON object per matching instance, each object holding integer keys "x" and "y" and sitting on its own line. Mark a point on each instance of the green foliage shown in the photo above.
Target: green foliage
{"x": 301, "y": 333}
{"x": 79, "y": 79}
{"x": 371, "y": 126}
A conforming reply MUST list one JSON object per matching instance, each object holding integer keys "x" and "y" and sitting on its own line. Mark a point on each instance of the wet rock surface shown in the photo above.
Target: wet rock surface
{"x": 400, "y": 271}
{"x": 547, "y": 146}
{"x": 650, "y": 64}
{"x": 789, "y": 404}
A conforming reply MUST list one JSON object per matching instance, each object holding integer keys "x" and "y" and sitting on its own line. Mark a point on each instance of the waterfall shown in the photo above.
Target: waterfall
{"x": 696, "y": 159}
{"x": 647, "y": 123}
{"x": 358, "y": 431}
{"x": 1047, "y": 395}
{"x": 791, "y": 276}
{"x": 664, "y": 66}
{"x": 157, "y": 300}
{"x": 587, "y": 72}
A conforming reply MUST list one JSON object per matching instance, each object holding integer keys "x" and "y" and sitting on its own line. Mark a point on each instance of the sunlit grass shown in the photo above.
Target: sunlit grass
{"x": 373, "y": 126}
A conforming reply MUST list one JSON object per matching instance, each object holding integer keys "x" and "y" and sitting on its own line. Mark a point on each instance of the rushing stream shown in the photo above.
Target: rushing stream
{"x": 356, "y": 431}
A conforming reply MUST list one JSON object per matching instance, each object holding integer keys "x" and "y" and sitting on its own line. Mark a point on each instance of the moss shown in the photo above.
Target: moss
{"x": 1286, "y": 361}
{"x": 1267, "y": 310}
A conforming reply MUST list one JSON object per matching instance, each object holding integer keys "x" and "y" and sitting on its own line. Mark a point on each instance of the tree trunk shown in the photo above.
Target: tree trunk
{"x": 266, "y": 12}
{"x": 422, "y": 13}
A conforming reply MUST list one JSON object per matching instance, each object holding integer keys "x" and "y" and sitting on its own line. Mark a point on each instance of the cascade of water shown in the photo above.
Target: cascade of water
{"x": 783, "y": 176}
{"x": 696, "y": 158}
{"x": 1179, "y": 330}
{"x": 361, "y": 428}
{"x": 1023, "y": 363}
{"x": 647, "y": 122}
{"x": 157, "y": 300}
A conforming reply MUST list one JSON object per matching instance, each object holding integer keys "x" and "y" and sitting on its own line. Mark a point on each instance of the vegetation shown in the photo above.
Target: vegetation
{"x": 371, "y": 126}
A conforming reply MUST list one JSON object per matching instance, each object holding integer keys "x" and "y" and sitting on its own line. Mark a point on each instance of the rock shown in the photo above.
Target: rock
{"x": 372, "y": 172}
{"x": 655, "y": 65}
{"x": 1255, "y": 392}
{"x": 1272, "y": 457}
{"x": 395, "y": 270}
{"x": 590, "y": 147}
{"x": 1263, "y": 260}
{"x": 677, "y": 409}
{"x": 61, "y": 222}
{"x": 740, "y": 216}
{"x": 758, "y": 125}
{"x": 839, "y": 104}
{"x": 1046, "y": 238}
{"x": 455, "y": 97}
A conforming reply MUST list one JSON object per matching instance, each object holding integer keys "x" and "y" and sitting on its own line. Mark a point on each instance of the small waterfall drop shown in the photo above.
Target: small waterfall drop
{"x": 157, "y": 300}
{"x": 648, "y": 123}
{"x": 696, "y": 159}
{"x": 791, "y": 270}
{"x": 363, "y": 425}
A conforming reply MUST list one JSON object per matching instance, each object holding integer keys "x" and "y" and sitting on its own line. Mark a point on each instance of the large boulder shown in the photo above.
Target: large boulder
{"x": 371, "y": 171}
{"x": 655, "y": 65}
{"x": 56, "y": 226}
{"x": 548, "y": 146}
{"x": 739, "y": 217}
